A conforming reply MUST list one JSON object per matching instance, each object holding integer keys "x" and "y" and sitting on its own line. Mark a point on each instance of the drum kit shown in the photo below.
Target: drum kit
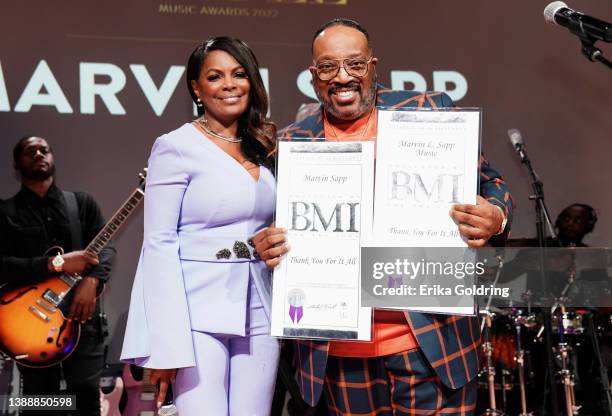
{"x": 514, "y": 378}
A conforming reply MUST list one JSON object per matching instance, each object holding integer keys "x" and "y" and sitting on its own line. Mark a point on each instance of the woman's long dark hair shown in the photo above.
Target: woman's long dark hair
{"x": 258, "y": 133}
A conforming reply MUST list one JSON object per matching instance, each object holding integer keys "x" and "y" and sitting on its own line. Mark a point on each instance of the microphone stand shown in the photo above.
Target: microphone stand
{"x": 589, "y": 50}
{"x": 603, "y": 371}
{"x": 594, "y": 54}
{"x": 542, "y": 217}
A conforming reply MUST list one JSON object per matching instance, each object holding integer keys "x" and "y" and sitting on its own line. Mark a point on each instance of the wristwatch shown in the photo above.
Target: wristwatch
{"x": 58, "y": 263}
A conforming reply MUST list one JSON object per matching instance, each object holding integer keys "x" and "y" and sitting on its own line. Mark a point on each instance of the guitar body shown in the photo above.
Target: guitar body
{"x": 110, "y": 402}
{"x": 33, "y": 330}
{"x": 140, "y": 394}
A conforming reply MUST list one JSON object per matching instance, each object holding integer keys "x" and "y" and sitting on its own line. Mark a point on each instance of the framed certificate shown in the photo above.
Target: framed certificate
{"x": 426, "y": 161}
{"x": 324, "y": 200}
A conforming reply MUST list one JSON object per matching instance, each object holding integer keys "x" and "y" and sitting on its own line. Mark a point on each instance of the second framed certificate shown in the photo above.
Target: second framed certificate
{"x": 426, "y": 162}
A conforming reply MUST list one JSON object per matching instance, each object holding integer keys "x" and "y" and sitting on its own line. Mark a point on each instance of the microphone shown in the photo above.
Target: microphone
{"x": 517, "y": 141}
{"x": 578, "y": 23}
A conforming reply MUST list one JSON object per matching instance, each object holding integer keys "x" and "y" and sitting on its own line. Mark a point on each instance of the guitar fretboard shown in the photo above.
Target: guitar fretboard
{"x": 147, "y": 387}
{"x": 115, "y": 223}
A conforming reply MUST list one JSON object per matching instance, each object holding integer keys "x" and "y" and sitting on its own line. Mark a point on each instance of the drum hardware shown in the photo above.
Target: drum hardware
{"x": 488, "y": 308}
{"x": 488, "y": 348}
{"x": 573, "y": 329}
{"x": 491, "y": 412}
{"x": 558, "y": 302}
{"x": 567, "y": 379}
{"x": 563, "y": 354}
{"x": 563, "y": 349}
{"x": 489, "y": 370}
{"x": 571, "y": 322}
{"x": 603, "y": 371}
{"x": 505, "y": 376}
{"x": 528, "y": 321}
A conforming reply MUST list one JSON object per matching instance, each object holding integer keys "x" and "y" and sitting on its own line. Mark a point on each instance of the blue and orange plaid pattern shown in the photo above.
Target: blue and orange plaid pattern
{"x": 402, "y": 384}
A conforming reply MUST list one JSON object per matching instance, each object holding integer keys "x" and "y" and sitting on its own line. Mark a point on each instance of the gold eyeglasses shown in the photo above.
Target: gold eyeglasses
{"x": 329, "y": 68}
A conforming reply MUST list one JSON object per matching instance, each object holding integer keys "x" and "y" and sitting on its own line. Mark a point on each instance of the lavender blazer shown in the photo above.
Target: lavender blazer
{"x": 201, "y": 207}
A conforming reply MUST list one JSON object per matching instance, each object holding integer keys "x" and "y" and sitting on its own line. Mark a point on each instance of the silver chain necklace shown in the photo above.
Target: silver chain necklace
{"x": 204, "y": 123}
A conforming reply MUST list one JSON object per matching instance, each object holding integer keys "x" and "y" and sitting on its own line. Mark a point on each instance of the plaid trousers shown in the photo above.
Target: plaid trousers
{"x": 402, "y": 384}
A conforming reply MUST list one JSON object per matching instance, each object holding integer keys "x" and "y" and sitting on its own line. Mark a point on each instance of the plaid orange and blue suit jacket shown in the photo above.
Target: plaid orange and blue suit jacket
{"x": 450, "y": 343}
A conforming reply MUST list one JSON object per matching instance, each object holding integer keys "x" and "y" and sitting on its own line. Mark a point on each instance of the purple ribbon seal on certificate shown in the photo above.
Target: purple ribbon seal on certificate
{"x": 296, "y": 297}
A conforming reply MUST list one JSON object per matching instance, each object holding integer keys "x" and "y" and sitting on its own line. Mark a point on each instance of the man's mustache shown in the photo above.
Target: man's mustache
{"x": 350, "y": 85}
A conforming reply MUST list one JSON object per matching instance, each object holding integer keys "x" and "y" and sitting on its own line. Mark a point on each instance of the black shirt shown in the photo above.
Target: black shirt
{"x": 38, "y": 224}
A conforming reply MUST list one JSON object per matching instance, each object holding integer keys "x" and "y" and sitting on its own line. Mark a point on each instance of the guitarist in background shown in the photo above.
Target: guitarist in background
{"x": 36, "y": 219}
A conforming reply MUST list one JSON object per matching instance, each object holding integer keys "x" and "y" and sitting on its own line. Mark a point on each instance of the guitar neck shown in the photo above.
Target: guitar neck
{"x": 103, "y": 237}
{"x": 116, "y": 222}
{"x": 147, "y": 387}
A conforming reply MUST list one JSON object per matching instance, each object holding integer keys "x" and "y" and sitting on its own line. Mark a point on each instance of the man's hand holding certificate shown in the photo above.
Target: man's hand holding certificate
{"x": 478, "y": 222}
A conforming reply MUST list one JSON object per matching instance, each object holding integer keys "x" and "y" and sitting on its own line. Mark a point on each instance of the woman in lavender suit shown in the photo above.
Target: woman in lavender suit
{"x": 200, "y": 306}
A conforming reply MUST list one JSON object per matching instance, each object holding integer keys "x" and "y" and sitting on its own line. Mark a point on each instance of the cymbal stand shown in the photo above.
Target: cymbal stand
{"x": 489, "y": 370}
{"x": 505, "y": 386}
{"x": 603, "y": 371}
{"x": 487, "y": 347}
{"x": 487, "y": 309}
{"x": 521, "y": 320}
{"x": 566, "y": 374}
{"x": 570, "y": 281}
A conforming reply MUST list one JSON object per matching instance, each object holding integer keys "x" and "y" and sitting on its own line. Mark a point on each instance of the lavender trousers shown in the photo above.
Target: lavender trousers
{"x": 233, "y": 375}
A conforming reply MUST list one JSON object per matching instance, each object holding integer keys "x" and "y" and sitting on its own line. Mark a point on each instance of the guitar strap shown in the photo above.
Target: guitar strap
{"x": 73, "y": 219}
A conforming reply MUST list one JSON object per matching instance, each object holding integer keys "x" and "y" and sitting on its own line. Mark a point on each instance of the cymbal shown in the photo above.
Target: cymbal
{"x": 495, "y": 309}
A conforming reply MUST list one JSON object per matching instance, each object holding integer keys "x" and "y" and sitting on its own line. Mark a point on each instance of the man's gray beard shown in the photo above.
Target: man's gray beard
{"x": 365, "y": 106}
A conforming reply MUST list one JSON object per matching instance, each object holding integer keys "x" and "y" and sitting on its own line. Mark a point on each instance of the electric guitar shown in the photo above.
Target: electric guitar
{"x": 109, "y": 402}
{"x": 34, "y": 330}
{"x": 141, "y": 394}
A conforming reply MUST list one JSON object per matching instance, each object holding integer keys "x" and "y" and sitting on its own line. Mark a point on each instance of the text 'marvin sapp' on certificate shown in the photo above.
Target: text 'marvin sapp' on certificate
{"x": 324, "y": 200}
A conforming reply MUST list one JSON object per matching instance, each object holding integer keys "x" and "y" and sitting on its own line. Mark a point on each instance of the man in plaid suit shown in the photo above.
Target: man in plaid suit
{"x": 417, "y": 364}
